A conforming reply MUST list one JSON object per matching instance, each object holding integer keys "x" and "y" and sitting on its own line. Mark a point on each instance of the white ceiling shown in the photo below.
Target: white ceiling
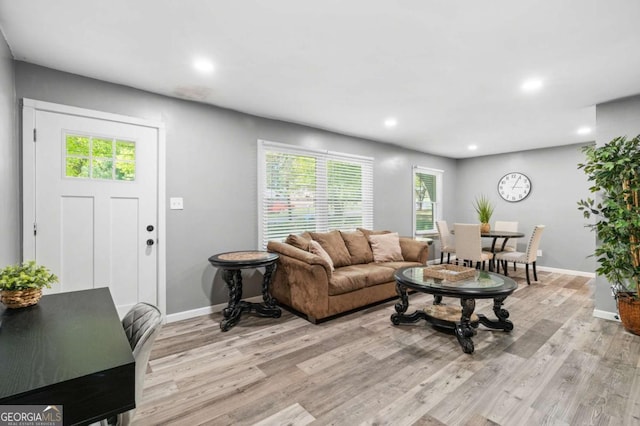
{"x": 449, "y": 71}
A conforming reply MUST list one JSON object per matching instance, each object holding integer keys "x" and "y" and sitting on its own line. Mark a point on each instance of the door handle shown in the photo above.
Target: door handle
{"x": 150, "y": 242}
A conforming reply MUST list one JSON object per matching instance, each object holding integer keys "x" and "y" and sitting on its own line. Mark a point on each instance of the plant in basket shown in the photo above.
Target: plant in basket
{"x": 614, "y": 169}
{"x": 21, "y": 284}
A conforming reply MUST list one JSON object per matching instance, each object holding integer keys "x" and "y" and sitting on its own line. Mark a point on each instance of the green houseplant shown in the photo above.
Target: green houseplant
{"x": 484, "y": 208}
{"x": 21, "y": 284}
{"x": 614, "y": 169}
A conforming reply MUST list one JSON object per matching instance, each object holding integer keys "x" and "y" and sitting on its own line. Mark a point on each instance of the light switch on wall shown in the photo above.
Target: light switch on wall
{"x": 175, "y": 203}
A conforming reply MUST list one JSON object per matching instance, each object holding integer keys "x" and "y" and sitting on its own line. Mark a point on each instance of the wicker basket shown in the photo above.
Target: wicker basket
{"x": 629, "y": 309}
{"x": 20, "y": 298}
{"x": 449, "y": 272}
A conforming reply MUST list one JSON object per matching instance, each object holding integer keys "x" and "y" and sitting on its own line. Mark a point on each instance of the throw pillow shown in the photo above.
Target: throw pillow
{"x": 333, "y": 244}
{"x": 358, "y": 247}
{"x": 298, "y": 241}
{"x": 316, "y": 248}
{"x": 368, "y": 232}
{"x": 386, "y": 247}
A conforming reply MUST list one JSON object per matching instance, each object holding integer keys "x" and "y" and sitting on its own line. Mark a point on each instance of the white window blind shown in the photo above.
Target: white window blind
{"x": 427, "y": 199}
{"x": 310, "y": 190}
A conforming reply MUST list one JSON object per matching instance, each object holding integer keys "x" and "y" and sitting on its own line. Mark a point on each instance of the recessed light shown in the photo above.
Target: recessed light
{"x": 583, "y": 130}
{"x": 390, "y": 122}
{"x": 472, "y": 147}
{"x": 203, "y": 65}
{"x": 531, "y": 85}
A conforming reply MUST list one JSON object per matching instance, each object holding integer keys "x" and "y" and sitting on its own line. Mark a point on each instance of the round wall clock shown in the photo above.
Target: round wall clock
{"x": 514, "y": 187}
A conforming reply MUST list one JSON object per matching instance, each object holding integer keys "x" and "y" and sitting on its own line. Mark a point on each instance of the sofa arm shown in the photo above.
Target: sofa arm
{"x": 284, "y": 249}
{"x": 301, "y": 280}
{"x": 413, "y": 250}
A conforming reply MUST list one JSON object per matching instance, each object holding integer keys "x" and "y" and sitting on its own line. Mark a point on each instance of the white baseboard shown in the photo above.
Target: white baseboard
{"x": 179, "y": 316}
{"x": 566, "y": 271}
{"x": 612, "y": 316}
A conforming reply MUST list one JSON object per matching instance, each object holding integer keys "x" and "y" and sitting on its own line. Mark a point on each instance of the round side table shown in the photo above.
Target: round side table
{"x": 232, "y": 264}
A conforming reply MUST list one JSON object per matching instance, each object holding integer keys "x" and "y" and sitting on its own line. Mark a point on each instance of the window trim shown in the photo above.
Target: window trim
{"x": 265, "y": 146}
{"x": 437, "y": 204}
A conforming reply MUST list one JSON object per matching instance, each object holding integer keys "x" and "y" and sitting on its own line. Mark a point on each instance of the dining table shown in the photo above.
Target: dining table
{"x": 69, "y": 352}
{"x": 495, "y": 235}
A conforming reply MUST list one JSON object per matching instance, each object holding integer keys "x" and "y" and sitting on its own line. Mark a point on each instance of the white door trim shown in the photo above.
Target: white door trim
{"x": 29, "y": 108}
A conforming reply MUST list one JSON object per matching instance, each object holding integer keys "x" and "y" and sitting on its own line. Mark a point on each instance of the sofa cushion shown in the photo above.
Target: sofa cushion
{"x": 333, "y": 244}
{"x": 386, "y": 247}
{"x": 368, "y": 232}
{"x": 355, "y": 277}
{"x": 358, "y": 247}
{"x": 394, "y": 266}
{"x": 316, "y": 248}
{"x": 299, "y": 241}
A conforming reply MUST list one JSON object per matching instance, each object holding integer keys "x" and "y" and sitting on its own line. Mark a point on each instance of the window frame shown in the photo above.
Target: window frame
{"x": 322, "y": 222}
{"x": 437, "y": 204}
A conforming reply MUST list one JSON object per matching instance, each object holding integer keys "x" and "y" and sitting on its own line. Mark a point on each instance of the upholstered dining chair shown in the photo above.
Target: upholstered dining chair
{"x": 512, "y": 243}
{"x": 527, "y": 258}
{"x": 142, "y": 325}
{"x": 469, "y": 245}
{"x": 447, "y": 242}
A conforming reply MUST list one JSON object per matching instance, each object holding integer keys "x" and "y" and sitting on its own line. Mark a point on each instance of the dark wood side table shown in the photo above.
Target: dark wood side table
{"x": 232, "y": 264}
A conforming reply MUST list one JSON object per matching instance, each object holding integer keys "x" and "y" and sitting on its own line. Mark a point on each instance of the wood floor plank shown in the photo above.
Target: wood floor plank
{"x": 559, "y": 366}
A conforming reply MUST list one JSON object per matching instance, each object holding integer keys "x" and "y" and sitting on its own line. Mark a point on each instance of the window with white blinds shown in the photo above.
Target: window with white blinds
{"x": 427, "y": 199}
{"x": 310, "y": 190}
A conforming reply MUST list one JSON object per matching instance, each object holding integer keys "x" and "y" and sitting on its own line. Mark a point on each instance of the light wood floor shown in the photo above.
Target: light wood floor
{"x": 559, "y": 366}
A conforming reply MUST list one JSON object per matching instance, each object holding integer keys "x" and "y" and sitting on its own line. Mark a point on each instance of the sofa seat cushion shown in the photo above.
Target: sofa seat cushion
{"x": 354, "y": 277}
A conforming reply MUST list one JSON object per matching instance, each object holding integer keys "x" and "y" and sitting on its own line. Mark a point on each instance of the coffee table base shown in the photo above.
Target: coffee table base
{"x": 440, "y": 316}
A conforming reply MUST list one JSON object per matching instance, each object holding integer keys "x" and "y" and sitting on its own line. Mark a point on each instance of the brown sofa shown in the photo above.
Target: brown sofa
{"x": 355, "y": 270}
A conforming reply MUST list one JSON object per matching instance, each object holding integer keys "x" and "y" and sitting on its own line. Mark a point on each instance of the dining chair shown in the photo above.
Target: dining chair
{"x": 512, "y": 243}
{"x": 469, "y": 245}
{"x": 141, "y": 325}
{"x": 447, "y": 242}
{"x": 527, "y": 258}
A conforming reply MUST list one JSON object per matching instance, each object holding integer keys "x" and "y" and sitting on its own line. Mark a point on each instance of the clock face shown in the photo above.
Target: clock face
{"x": 514, "y": 187}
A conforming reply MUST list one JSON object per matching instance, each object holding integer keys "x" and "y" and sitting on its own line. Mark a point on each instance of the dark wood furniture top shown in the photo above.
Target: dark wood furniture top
{"x": 71, "y": 350}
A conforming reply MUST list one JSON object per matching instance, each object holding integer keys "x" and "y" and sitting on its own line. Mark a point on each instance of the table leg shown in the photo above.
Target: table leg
{"x": 464, "y": 330}
{"x": 401, "y": 307}
{"x": 231, "y": 314}
{"x": 502, "y": 314}
{"x": 269, "y": 308}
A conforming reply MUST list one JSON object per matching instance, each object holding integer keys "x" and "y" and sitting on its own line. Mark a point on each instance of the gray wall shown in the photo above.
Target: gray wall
{"x": 211, "y": 163}
{"x": 616, "y": 118}
{"x": 9, "y": 160}
{"x": 556, "y": 186}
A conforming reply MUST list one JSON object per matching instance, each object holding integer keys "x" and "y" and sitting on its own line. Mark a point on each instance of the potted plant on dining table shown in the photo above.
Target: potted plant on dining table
{"x": 484, "y": 208}
{"x": 21, "y": 284}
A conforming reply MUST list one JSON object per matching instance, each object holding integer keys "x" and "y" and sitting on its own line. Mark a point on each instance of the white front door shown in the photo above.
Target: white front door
{"x": 95, "y": 213}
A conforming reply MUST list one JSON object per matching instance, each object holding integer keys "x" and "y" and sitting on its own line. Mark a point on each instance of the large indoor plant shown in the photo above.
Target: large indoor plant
{"x": 614, "y": 169}
{"x": 484, "y": 208}
{"x": 21, "y": 284}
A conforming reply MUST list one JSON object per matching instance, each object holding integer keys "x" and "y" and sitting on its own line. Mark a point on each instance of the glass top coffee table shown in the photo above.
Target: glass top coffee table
{"x": 463, "y": 322}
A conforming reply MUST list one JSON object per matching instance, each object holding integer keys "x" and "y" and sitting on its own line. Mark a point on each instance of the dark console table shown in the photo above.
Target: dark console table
{"x": 462, "y": 321}
{"x": 71, "y": 350}
{"x": 231, "y": 264}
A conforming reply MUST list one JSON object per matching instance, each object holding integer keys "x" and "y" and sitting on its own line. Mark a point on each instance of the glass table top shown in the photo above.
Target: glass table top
{"x": 480, "y": 282}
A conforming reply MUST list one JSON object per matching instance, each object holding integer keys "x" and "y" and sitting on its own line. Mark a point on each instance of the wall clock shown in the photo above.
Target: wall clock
{"x": 514, "y": 187}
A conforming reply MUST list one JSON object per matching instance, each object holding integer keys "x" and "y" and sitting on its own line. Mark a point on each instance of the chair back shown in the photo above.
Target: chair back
{"x": 446, "y": 239}
{"x": 534, "y": 243}
{"x": 468, "y": 241}
{"x": 142, "y": 325}
{"x": 501, "y": 225}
